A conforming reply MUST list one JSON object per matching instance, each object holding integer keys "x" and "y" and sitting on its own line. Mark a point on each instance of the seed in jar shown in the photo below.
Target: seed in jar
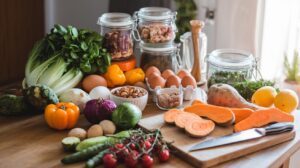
{"x": 168, "y": 100}
{"x": 182, "y": 73}
{"x": 167, "y": 73}
{"x": 156, "y": 81}
{"x": 173, "y": 80}
{"x": 156, "y": 33}
{"x": 189, "y": 81}
{"x": 152, "y": 70}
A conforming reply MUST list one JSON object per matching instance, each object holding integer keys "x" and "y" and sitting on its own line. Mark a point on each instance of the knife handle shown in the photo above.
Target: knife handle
{"x": 279, "y": 128}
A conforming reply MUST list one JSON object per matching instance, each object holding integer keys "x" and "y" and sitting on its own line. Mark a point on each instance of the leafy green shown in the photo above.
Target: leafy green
{"x": 60, "y": 60}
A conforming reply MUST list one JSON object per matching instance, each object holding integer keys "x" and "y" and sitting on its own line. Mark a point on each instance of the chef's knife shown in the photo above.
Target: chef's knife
{"x": 245, "y": 135}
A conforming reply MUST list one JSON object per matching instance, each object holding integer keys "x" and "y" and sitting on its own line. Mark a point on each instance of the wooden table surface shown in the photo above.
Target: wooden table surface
{"x": 28, "y": 142}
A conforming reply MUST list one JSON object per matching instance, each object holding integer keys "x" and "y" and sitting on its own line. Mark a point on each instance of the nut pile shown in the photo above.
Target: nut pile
{"x": 129, "y": 92}
{"x": 156, "y": 33}
{"x": 169, "y": 100}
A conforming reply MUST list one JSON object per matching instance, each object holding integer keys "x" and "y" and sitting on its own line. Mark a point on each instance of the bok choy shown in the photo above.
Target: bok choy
{"x": 62, "y": 58}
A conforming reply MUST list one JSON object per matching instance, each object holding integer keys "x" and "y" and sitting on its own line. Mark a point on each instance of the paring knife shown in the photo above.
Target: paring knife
{"x": 254, "y": 133}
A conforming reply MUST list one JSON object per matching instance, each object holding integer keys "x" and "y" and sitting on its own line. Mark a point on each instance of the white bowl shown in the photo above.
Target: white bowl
{"x": 141, "y": 102}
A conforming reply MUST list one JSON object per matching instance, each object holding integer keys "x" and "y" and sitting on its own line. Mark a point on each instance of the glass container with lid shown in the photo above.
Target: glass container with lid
{"x": 229, "y": 66}
{"x": 163, "y": 57}
{"x": 117, "y": 29}
{"x": 156, "y": 25}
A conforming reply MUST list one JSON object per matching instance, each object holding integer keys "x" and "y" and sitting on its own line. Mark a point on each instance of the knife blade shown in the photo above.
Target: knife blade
{"x": 254, "y": 133}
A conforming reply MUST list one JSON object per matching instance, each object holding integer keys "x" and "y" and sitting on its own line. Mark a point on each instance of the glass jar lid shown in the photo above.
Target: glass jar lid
{"x": 163, "y": 49}
{"x": 115, "y": 20}
{"x": 156, "y": 13}
{"x": 231, "y": 58}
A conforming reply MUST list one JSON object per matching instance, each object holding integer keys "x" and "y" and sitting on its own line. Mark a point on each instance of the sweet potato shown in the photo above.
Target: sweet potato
{"x": 169, "y": 116}
{"x": 227, "y": 96}
{"x": 221, "y": 115}
{"x": 197, "y": 101}
{"x": 183, "y": 118}
{"x": 199, "y": 128}
{"x": 241, "y": 113}
{"x": 263, "y": 117}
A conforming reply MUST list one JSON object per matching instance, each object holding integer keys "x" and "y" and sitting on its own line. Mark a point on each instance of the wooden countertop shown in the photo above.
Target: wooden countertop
{"x": 28, "y": 142}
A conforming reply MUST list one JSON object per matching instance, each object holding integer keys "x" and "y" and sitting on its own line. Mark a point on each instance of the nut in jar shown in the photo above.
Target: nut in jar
{"x": 168, "y": 98}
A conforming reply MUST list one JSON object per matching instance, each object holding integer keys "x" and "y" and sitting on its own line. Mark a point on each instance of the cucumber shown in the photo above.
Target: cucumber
{"x": 70, "y": 143}
{"x": 91, "y": 142}
{"x": 102, "y": 140}
{"x": 96, "y": 160}
{"x": 85, "y": 154}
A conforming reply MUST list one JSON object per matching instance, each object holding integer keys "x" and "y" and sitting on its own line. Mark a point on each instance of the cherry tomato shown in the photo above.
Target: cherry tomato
{"x": 147, "y": 145}
{"x": 131, "y": 160}
{"x": 147, "y": 161}
{"x": 164, "y": 155}
{"x": 119, "y": 146}
{"x": 132, "y": 146}
{"x": 109, "y": 160}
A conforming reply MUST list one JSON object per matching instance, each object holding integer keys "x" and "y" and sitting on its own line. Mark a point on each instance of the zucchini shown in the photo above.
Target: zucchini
{"x": 96, "y": 160}
{"x": 85, "y": 154}
{"x": 70, "y": 143}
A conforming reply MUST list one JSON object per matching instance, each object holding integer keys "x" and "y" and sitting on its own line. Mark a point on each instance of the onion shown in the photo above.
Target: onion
{"x": 97, "y": 110}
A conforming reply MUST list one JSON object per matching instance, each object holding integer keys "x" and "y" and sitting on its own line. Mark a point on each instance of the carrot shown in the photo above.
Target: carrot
{"x": 183, "y": 118}
{"x": 241, "y": 113}
{"x": 169, "y": 116}
{"x": 220, "y": 115}
{"x": 263, "y": 117}
{"x": 199, "y": 128}
{"x": 197, "y": 101}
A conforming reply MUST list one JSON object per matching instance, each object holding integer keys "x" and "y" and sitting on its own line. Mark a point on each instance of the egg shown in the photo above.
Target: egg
{"x": 167, "y": 73}
{"x": 173, "y": 80}
{"x": 152, "y": 75}
{"x": 92, "y": 81}
{"x": 152, "y": 70}
{"x": 156, "y": 81}
{"x": 141, "y": 84}
{"x": 188, "y": 80}
{"x": 182, "y": 73}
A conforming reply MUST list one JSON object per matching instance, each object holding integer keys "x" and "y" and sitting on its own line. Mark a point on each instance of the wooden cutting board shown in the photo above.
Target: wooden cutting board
{"x": 213, "y": 156}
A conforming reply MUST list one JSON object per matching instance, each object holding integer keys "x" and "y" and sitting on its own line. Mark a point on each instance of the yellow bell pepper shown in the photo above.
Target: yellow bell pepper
{"x": 114, "y": 76}
{"x": 135, "y": 75}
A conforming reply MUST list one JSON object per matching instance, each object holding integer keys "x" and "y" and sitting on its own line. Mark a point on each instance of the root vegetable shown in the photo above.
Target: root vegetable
{"x": 95, "y": 131}
{"x": 77, "y": 132}
{"x": 241, "y": 113}
{"x": 169, "y": 116}
{"x": 183, "y": 118}
{"x": 108, "y": 127}
{"x": 227, "y": 96}
{"x": 221, "y": 115}
{"x": 263, "y": 117}
{"x": 199, "y": 128}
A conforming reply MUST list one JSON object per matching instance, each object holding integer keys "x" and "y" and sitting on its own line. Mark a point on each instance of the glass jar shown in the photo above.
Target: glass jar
{"x": 169, "y": 98}
{"x": 229, "y": 66}
{"x": 156, "y": 25}
{"x": 188, "y": 52}
{"x": 117, "y": 29}
{"x": 163, "y": 57}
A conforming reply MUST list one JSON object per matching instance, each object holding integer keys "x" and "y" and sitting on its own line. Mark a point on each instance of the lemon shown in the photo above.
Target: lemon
{"x": 264, "y": 96}
{"x": 286, "y": 100}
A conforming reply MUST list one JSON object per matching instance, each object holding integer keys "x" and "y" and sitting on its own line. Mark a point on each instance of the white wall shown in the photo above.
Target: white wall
{"x": 79, "y": 13}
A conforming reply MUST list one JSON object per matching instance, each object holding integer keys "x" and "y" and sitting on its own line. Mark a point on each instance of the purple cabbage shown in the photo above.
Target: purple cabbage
{"x": 97, "y": 110}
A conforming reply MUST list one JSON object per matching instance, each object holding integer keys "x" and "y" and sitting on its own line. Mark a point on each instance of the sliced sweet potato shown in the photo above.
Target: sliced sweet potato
{"x": 220, "y": 115}
{"x": 241, "y": 113}
{"x": 183, "y": 118}
{"x": 197, "y": 101}
{"x": 199, "y": 128}
{"x": 169, "y": 116}
{"x": 263, "y": 117}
